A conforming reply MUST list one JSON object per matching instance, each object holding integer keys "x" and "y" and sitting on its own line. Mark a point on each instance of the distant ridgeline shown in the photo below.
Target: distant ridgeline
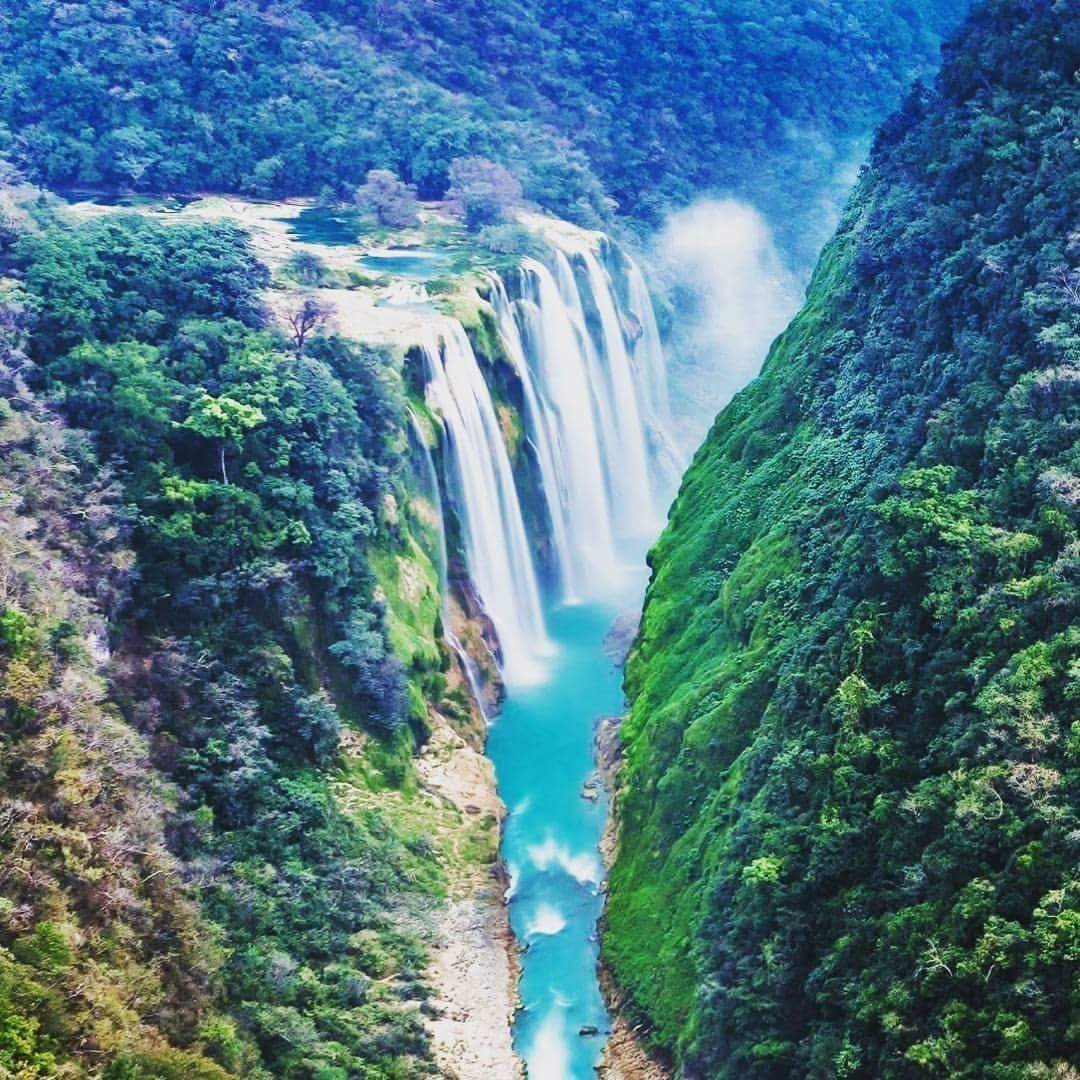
{"x": 851, "y": 802}
{"x": 650, "y": 104}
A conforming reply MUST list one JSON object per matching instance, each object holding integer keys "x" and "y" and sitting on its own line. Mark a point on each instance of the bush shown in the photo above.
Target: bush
{"x": 482, "y": 192}
{"x": 388, "y": 201}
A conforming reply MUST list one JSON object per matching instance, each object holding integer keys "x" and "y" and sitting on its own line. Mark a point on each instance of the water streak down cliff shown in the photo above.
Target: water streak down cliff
{"x": 496, "y": 548}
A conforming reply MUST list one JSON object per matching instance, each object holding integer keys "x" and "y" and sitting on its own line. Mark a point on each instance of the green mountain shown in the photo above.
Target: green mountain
{"x": 649, "y": 105}
{"x": 849, "y": 806}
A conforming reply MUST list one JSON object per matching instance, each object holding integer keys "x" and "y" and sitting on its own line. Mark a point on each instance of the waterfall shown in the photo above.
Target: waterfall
{"x": 499, "y": 559}
{"x": 469, "y": 666}
{"x": 560, "y": 422}
{"x": 627, "y": 460}
{"x": 596, "y": 408}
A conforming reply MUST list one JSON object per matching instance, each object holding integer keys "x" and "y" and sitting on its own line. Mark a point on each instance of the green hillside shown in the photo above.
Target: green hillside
{"x": 850, "y": 801}
{"x": 585, "y": 103}
{"x": 192, "y": 649}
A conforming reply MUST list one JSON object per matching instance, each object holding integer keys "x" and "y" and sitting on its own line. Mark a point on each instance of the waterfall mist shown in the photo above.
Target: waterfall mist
{"x": 732, "y": 292}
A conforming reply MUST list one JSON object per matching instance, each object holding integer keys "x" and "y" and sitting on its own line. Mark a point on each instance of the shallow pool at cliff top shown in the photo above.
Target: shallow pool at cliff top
{"x": 542, "y": 744}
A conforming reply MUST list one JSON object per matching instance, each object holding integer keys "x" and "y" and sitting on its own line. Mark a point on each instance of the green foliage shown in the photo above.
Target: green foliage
{"x": 99, "y": 942}
{"x": 245, "y": 635}
{"x": 511, "y": 240}
{"x": 223, "y": 419}
{"x": 653, "y": 104}
{"x": 484, "y": 192}
{"x": 387, "y": 200}
{"x": 850, "y": 797}
{"x": 665, "y": 100}
{"x": 26, "y": 1051}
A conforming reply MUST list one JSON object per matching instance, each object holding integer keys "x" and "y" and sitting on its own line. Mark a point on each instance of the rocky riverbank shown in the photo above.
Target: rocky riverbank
{"x": 474, "y": 966}
{"x": 474, "y": 963}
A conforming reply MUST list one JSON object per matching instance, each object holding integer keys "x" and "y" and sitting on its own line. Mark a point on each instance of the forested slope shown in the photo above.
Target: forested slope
{"x": 850, "y": 800}
{"x": 650, "y": 106}
{"x": 189, "y": 622}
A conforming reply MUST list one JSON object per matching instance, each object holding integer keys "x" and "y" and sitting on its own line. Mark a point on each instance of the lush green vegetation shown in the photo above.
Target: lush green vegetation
{"x": 671, "y": 99}
{"x": 98, "y": 931}
{"x": 650, "y": 105}
{"x": 189, "y": 618}
{"x": 852, "y": 781}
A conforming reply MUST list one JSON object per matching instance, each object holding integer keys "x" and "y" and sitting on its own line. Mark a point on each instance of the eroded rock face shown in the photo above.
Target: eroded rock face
{"x": 620, "y": 638}
{"x": 472, "y": 637}
{"x": 624, "y": 1059}
{"x": 473, "y": 975}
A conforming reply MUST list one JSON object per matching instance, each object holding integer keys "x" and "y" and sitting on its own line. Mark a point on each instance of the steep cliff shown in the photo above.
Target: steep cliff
{"x": 849, "y": 801}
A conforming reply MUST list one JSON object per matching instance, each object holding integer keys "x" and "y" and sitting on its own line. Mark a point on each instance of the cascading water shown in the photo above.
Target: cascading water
{"x": 470, "y": 668}
{"x": 498, "y": 554}
{"x": 649, "y": 353}
{"x": 595, "y": 403}
{"x": 629, "y": 476}
{"x": 595, "y": 406}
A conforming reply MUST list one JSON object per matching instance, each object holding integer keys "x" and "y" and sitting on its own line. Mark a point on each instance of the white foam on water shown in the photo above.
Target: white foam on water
{"x": 546, "y": 921}
{"x": 584, "y": 867}
{"x": 548, "y": 1056}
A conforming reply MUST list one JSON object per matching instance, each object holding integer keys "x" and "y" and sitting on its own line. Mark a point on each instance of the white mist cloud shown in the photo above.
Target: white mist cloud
{"x": 732, "y": 293}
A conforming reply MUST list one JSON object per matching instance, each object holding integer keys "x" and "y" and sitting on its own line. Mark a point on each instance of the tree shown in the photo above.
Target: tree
{"x": 482, "y": 191}
{"x": 306, "y": 317}
{"x": 224, "y": 419}
{"x": 307, "y": 267}
{"x": 390, "y": 201}
{"x": 376, "y": 673}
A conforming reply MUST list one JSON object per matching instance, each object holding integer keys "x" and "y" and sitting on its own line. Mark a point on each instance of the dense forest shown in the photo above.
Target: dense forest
{"x": 586, "y": 103}
{"x": 188, "y": 622}
{"x": 849, "y": 806}
{"x": 851, "y": 790}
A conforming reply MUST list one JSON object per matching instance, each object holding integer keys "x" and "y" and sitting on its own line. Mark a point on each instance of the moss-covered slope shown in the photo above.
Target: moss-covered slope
{"x": 849, "y": 803}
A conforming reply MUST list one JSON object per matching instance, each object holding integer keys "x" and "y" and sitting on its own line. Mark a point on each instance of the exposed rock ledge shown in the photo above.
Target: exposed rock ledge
{"x": 474, "y": 963}
{"x": 624, "y": 1058}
